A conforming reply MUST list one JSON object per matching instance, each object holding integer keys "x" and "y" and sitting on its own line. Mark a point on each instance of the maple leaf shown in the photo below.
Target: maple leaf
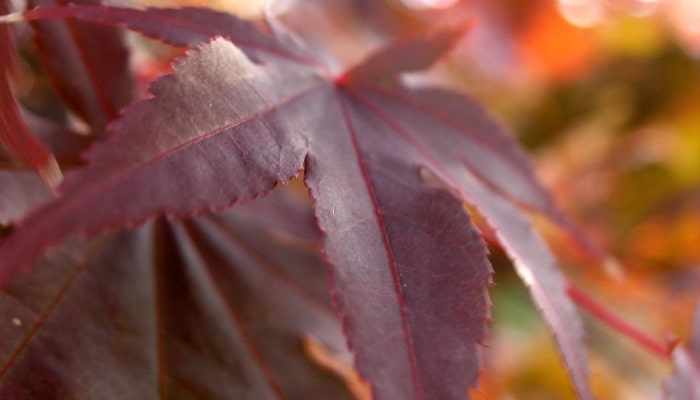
{"x": 214, "y": 308}
{"x": 87, "y": 63}
{"x": 684, "y": 383}
{"x": 14, "y": 133}
{"x": 20, "y": 189}
{"x": 387, "y": 166}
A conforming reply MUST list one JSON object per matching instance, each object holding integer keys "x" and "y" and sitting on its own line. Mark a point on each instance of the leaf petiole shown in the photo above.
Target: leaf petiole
{"x": 623, "y": 327}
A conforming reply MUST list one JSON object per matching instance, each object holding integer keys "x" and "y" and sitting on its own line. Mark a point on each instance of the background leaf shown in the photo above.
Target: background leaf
{"x": 15, "y": 136}
{"x": 22, "y": 190}
{"x": 238, "y": 146}
{"x": 221, "y": 314}
{"x": 184, "y": 27}
{"x": 88, "y": 65}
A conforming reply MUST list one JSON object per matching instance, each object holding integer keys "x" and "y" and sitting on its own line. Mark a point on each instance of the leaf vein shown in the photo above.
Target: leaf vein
{"x": 407, "y": 331}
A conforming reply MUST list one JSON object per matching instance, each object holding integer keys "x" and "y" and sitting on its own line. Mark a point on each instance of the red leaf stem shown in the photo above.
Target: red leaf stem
{"x": 614, "y": 321}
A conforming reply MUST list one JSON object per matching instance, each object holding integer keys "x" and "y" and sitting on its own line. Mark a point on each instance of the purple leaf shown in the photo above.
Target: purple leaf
{"x": 220, "y": 314}
{"x": 15, "y": 136}
{"x": 468, "y": 140}
{"x": 88, "y": 64}
{"x": 21, "y": 190}
{"x": 388, "y": 168}
{"x": 537, "y": 268}
{"x": 184, "y": 27}
{"x": 487, "y": 170}
{"x": 243, "y": 133}
{"x": 410, "y": 55}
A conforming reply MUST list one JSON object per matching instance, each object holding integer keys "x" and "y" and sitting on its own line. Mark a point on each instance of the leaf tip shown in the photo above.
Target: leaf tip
{"x": 50, "y": 173}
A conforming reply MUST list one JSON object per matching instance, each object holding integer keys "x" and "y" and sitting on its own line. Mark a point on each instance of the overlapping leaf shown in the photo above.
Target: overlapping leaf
{"x": 216, "y": 308}
{"x": 387, "y": 166}
{"x": 186, "y": 26}
{"x": 21, "y": 190}
{"x": 15, "y": 136}
{"x": 88, "y": 64}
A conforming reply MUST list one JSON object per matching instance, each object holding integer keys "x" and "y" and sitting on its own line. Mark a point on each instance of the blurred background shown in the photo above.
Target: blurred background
{"x": 605, "y": 95}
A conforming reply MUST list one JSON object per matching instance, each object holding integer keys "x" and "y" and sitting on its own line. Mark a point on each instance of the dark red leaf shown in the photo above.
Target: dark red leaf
{"x": 22, "y": 190}
{"x": 88, "y": 64}
{"x": 470, "y": 142}
{"x": 7, "y": 45}
{"x": 487, "y": 169}
{"x": 245, "y": 133}
{"x": 214, "y": 309}
{"x": 388, "y": 168}
{"x": 191, "y": 26}
{"x": 409, "y": 271}
{"x": 21, "y": 143}
{"x": 14, "y": 134}
{"x": 537, "y": 268}
{"x": 185, "y": 27}
{"x": 684, "y": 383}
{"x": 67, "y": 144}
{"x": 410, "y": 55}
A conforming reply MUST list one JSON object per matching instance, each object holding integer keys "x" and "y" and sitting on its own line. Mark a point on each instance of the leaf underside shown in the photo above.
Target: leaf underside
{"x": 87, "y": 63}
{"x": 15, "y": 136}
{"x": 22, "y": 190}
{"x": 213, "y": 308}
{"x": 388, "y": 168}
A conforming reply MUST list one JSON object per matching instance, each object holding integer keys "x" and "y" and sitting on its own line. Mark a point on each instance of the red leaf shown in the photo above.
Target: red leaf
{"x": 245, "y": 133}
{"x": 185, "y": 27}
{"x": 684, "y": 383}
{"x": 88, "y": 64}
{"x": 487, "y": 169}
{"x": 537, "y": 268}
{"x": 14, "y": 134}
{"x": 21, "y": 190}
{"x": 220, "y": 314}
{"x": 411, "y": 55}
{"x": 21, "y": 143}
{"x": 409, "y": 270}
{"x": 470, "y": 141}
